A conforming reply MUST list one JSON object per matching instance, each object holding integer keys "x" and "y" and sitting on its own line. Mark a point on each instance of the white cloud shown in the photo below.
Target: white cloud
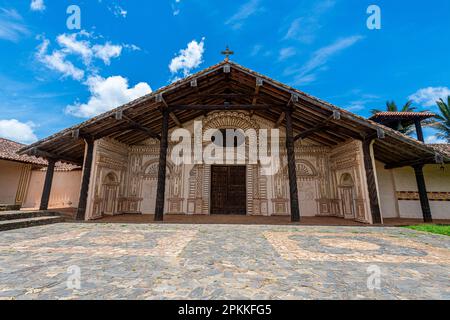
{"x": 434, "y": 140}
{"x": 17, "y": 131}
{"x": 188, "y": 58}
{"x": 286, "y": 53}
{"x": 37, "y": 5}
{"x": 56, "y": 61}
{"x": 107, "y": 51}
{"x": 176, "y": 7}
{"x": 428, "y": 96}
{"x": 308, "y": 72}
{"x": 71, "y": 45}
{"x": 245, "y": 11}
{"x": 12, "y": 27}
{"x": 305, "y": 28}
{"x": 107, "y": 94}
{"x": 79, "y": 45}
{"x": 118, "y": 11}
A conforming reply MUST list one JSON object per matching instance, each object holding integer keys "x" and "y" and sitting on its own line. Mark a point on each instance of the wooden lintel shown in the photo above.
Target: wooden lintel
{"x": 51, "y": 156}
{"x": 410, "y": 163}
{"x": 78, "y": 134}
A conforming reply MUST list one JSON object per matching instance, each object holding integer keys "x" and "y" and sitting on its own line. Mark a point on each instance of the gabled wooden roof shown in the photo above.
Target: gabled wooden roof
{"x": 230, "y": 83}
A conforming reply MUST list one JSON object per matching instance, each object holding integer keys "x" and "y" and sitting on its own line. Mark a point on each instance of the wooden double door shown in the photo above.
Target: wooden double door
{"x": 228, "y": 190}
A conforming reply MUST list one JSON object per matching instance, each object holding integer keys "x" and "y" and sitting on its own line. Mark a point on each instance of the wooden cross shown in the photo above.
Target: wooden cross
{"x": 227, "y": 53}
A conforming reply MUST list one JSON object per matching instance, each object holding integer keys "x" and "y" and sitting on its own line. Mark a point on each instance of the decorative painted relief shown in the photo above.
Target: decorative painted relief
{"x": 347, "y": 165}
{"x": 414, "y": 196}
{"x": 111, "y": 164}
{"x": 330, "y": 181}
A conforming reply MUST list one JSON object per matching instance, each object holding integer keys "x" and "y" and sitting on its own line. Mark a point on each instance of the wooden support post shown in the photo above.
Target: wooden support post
{"x": 419, "y": 130}
{"x": 295, "y": 210}
{"x": 423, "y": 194}
{"x": 161, "y": 190}
{"x": 47, "y": 184}
{"x": 87, "y": 168}
{"x": 371, "y": 182}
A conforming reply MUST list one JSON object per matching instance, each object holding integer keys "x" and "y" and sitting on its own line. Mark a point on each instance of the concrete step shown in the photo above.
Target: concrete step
{"x": 29, "y": 222}
{"x": 15, "y": 215}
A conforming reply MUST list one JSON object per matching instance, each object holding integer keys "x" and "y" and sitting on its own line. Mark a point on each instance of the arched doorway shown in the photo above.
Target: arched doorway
{"x": 347, "y": 196}
{"x": 110, "y": 187}
{"x": 150, "y": 184}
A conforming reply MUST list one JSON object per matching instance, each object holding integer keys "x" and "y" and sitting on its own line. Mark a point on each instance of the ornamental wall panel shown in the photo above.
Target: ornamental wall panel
{"x": 135, "y": 168}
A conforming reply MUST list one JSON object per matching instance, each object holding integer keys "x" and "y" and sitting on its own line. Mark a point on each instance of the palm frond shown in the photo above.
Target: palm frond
{"x": 408, "y": 107}
{"x": 391, "y": 106}
{"x": 442, "y": 120}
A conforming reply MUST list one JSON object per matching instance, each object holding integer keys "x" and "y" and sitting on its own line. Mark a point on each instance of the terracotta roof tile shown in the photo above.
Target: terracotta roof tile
{"x": 443, "y": 147}
{"x": 8, "y": 151}
{"x": 402, "y": 115}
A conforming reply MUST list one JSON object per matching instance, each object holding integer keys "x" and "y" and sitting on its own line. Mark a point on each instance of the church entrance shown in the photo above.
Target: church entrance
{"x": 228, "y": 190}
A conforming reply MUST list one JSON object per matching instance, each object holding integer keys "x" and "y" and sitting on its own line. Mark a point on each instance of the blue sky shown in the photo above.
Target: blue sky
{"x": 52, "y": 77}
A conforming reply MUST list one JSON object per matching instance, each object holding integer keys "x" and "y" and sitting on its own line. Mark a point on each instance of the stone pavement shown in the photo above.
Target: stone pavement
{"x": 119, "y": 261}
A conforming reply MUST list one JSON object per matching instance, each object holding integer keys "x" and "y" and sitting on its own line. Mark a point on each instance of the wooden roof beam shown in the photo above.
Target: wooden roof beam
{"x": 175, "y": 119}
{"x": 320, "y": 127}
{"x": 259, "y": 84}
{"x": 160, "y": 98}
{"x": 280, "y": 120}
{"x": 137, "y": 126}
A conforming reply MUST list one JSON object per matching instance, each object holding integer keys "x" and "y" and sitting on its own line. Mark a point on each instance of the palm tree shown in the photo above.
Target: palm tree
{"x": 442, "y": 123}
{"x": 391, "y": 106}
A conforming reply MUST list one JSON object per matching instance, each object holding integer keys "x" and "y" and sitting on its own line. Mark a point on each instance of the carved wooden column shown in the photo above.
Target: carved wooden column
{"x": 295, "y": 210}
{"x": 371, "y": 182}
{"x": 423, "y": 194}
{"x": 48, "y": 184}
{"x": 161, "y": 190}
{"x": 87, "y": 168}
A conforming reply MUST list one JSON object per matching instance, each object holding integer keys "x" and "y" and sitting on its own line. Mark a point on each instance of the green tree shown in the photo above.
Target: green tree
{"x": 391, "y": 106}
{"x": 442, "y": 122}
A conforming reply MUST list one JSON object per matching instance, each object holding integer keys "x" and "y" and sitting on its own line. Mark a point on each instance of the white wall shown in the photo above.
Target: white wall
{"x": 387, "y": 192}
{"x": 65, "y": 191}
{"x": 404, "y": 180}
{"x": 9, "y": 181}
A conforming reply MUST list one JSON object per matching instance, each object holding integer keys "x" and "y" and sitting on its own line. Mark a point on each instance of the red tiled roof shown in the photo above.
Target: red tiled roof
{"x": 443, "y": 147}
{"x": 8, "y": 151}
{"x": 402, "y": 115}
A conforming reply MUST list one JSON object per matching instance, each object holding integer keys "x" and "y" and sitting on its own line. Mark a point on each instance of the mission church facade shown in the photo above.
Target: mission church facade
{"x": 332, "y": 162}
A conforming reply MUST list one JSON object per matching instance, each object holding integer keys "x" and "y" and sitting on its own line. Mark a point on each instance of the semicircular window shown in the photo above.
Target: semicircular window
{"x": 229, "y": 137}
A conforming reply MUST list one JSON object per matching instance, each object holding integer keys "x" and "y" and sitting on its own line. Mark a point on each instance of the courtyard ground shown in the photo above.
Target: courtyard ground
{"x": 169, "y": 261}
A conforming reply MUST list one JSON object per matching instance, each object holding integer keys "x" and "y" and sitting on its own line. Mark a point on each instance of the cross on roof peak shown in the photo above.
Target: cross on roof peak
{"x": 227, "y": 53}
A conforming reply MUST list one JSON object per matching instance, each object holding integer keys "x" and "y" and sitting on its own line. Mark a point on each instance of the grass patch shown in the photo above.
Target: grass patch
{"x": 432, "y": 228}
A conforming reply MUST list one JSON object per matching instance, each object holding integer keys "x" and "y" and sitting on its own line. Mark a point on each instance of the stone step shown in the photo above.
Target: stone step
{"x": 29, "y": 222}
{"x": 9, "y": 207}
{"x": 15, "y": 215}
